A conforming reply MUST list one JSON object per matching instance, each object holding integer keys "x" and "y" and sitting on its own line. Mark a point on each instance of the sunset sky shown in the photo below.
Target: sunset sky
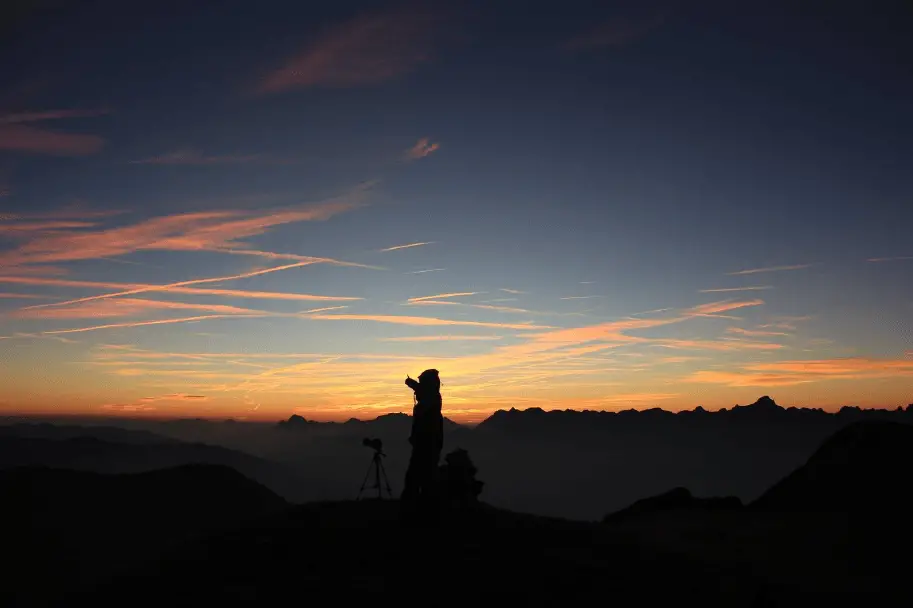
{"x": 249, "y": 210}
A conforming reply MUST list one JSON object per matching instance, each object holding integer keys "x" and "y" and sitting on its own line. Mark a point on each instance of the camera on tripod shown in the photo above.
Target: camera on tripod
{"x": 376, "y": 470}
{"x": 375, "y": 444}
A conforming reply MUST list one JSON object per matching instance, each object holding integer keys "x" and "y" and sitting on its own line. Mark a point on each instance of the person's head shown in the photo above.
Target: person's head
{"x": 431, "y": 379}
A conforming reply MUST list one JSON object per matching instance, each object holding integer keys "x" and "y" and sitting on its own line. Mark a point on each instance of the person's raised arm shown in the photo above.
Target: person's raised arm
{"x": 411, "y": 383}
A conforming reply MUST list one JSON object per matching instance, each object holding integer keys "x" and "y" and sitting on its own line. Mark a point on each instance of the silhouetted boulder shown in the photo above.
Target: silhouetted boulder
{"x": 863, "y": 467}
{"x": 676, "y": 499}
{"x": 457, "y": 478}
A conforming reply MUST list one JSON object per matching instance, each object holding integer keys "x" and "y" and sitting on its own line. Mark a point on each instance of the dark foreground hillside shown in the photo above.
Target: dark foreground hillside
{"x": 837, "y": 529}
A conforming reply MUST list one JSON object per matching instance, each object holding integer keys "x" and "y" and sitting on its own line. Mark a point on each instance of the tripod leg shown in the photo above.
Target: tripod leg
{"x": 377, "y": 465}
{"x": 365, "y": 482}
{"x": 383, "y": 472}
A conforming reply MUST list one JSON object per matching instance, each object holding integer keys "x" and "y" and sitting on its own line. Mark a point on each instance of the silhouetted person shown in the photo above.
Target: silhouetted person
{"x": 427, "y": 439}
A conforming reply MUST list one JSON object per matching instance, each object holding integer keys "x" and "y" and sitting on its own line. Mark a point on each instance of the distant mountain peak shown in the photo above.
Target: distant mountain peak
{"x": 765, "y": 402}
{"x": 294, "y": 422}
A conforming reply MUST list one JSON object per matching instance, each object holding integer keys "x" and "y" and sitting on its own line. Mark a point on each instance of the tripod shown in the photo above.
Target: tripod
{"x": 380, "y": 474}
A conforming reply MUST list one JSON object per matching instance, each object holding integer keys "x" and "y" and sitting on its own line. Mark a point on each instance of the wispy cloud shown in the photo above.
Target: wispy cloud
{"x": 426, "y": 321}
{"x": 142, "y": 324}
{"x": 787, "y": 373}
{"x": 195, "y": 157}
{"x": 619, "y": 31}
{"x": 441, "y": 296}
{"x": 406, "y": 246}
{"x": 24, "y": 138}
{"x": 769, "y": 269}
{"x": 440, "y": 338}
{"x": 421, "y": 149}
{"x": 218, "y": 231}
{"x": 580, "y": 297}
{"x": 894, "y": 259}
{"x": 126, "y": 307}
{"x": 755, "y": 332}
{"x": 235, "y": 293}
{"x": 367, "y": 50}
{"x": 426, "y": 270}
{"x": 513, "y": 291}
{"x": 22, "y": 296}
{"x": 41, "y": 115}
{"x": 727, "y": 289}
{"x": 16, "y": 135}
{"x": 145, "y": 404}
{"x": 182, "y": 284}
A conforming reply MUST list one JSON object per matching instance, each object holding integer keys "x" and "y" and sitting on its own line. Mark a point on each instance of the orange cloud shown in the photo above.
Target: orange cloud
{"x": 407, "y": 246}
{"x": 23, "y": 138}
{"x": 444, "y": 295}
{"x": 172, "y": 286}
{"x": 22, "y": 296}
{"x": 769, "y": 269}
{"x": 786, "y": 373}
{"x": 193, "y": 157}
{"x": 726, "y": 289}
{"x": 199, "y": 231}
{"x": 41, "y": 226}
{"x": 423, "y": 321}
{"x": 48, "y": 115}
{"x": 143, "y": 404}
{"x": 421, "y": 149}
{"x": 439, "y": 338}
{"x": 126, "y": 307}
{"x": 755, "y": 332}
{"x": 367, "y": 50}
{"x": 236, "y": 293}
{"x": 894, "y": 259}
{"x": 142, "y": 323}
{"x": 618, "y": 31}
{"x": 720, "y": 345}
{"x": 712, "y": 308}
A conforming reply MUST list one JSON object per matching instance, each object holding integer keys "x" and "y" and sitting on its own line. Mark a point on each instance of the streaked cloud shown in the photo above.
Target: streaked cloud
{"x": 769, "y": 269}
{"x": 142, "y": 323}
{"x": 426, "y": 321}
{"x": 144, "y": 404}
{"x": 717, "y": 307}
{"x": 513, "y": 291}
{"x": 180, "y": 284}
{"x": 367, "y": 50}
{"x": 34, "y": 140}
{"x": 406, "y": 246}
{"x": 755, "y": 332}
{"x": 218, "y": 231}
{"x": 426, "y": 270}
{"x": 441, "y": 296}
{"x": 787, "y": 373}
{"x": 22, "y": 296}
{"x": 580, "y": 297}
{"x": 727, "y": 289}
{"x": 41, "y": 115}
{"x": 894, "y": 259}
{"x": 195, "y": 157}
{"x": 238, "y": 293}
{"x": 125, "y": 307}
{"x": 421, "y": 149}
{"x": 440, "y": 338}
{"x": 17, "y": 135}
{"x": 616, "y": 32}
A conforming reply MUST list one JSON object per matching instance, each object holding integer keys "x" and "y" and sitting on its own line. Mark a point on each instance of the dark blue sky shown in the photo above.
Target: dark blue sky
{"x": 631, "y": 155}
